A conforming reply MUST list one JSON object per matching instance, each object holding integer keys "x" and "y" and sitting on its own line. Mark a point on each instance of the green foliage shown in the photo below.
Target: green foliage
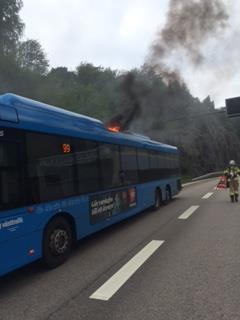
{"x": 11, "y": 26}
{"x": 168, "y": 112}
{"x": 31, "y": 56}
{"x": 206, "y": 139}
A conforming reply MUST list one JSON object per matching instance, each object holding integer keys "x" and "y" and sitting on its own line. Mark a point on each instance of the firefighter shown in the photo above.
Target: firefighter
{"x": 232, "y": 173}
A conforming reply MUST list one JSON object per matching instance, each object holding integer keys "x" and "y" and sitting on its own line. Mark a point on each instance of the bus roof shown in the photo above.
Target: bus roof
{"x": 29, "y": 114}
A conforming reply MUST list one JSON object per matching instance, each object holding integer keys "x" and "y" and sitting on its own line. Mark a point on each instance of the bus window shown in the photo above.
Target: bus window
{"x": 129, "y": 165}
{"x": 10, "y": 176}
{"x": 172, "y": 165}
{"x": 50, "y": 168}
{"x": 160, "y": 172}
{"x": 153, "y": 156}
{"x": 172, "y": 170}
{"x": 87, "y": 166}
{"x": 143, "y": 165}
{"x": 176, "y": 165}
{"x": 110, "y": 166}
{"x": 162, "y": 164}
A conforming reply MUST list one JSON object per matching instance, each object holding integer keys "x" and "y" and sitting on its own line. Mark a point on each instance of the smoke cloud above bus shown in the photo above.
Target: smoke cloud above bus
{"x": 189, "y": 25}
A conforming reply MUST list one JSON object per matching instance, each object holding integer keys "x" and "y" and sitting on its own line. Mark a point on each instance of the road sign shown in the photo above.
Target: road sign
{"x": 233, "y": 107}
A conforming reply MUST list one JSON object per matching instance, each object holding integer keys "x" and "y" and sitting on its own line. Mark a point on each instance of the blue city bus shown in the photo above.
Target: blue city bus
{"x": 65, "y": 176}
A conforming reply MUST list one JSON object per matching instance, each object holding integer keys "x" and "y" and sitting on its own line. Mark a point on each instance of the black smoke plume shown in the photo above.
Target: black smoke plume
{"x": 190, "y": 23}
{"x": 134, "y": 90}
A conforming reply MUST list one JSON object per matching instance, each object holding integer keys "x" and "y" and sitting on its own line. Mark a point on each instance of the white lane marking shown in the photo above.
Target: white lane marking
{"x": 112, "y": 285}
{"x": 207, "y": 195}
{"x": 188, "y": 212}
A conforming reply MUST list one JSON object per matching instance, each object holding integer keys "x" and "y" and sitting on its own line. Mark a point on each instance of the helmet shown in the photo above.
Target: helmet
{"x": 232, "y": 163}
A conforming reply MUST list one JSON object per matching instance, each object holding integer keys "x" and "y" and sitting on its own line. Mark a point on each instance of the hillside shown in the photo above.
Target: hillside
{"x": 167, "y": 112}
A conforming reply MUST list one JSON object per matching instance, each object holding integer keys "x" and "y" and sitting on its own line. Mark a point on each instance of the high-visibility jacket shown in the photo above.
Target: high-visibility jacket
{"x": 232, "y": 172}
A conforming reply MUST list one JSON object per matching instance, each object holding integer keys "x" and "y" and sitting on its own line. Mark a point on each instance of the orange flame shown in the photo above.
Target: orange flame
{"x": 114, "y": 129}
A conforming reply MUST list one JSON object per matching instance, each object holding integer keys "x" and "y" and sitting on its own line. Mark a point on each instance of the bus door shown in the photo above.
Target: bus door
{"x": 12, "y": 183}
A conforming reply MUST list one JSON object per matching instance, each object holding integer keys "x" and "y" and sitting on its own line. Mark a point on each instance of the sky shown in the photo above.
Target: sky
{"x": 118, "y": 34}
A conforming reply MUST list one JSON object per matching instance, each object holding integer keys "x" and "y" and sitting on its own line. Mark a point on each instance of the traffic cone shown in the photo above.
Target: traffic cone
{"x": 222, "y": 183}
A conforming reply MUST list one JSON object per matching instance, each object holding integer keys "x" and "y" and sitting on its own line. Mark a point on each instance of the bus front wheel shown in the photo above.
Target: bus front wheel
{"x": 57, "y": 242}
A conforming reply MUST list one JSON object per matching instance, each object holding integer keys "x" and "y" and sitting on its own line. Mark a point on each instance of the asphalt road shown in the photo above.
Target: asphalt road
{"x": 193, "y": 274}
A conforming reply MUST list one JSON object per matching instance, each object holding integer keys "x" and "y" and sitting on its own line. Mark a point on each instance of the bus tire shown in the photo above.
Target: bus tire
{"x": 57, "y": 242}
{"x": 168, "y": 195}
{"x": 158, "y": 199}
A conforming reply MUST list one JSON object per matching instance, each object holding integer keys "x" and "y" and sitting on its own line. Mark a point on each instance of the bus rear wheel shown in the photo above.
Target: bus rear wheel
{"x": 168, "y": 196}
{"x": 158, "y": 200}
{"x": 57, "y": 242}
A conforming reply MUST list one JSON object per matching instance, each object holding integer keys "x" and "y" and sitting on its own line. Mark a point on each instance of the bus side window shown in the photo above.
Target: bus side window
{"x": 143, "y": 165}
{"x": 50, "y": 169}
{"x": 129, "y": 165}
{"x": 153, "y": 165}
{"x": 160, "y": 166}
{"x": 87, "y": 166}
{"x": 110, "y": 166}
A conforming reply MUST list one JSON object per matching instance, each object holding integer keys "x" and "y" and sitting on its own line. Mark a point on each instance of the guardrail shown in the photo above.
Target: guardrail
{"x": 208, "y": 175}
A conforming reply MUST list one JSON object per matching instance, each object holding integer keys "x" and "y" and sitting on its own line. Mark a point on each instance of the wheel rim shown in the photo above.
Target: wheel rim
{"x": 59, "y": 242}
{"x": 157, "y": 201}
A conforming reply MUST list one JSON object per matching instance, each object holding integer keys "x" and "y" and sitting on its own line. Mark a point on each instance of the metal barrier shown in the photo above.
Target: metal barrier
{"x": 209, "y": 175}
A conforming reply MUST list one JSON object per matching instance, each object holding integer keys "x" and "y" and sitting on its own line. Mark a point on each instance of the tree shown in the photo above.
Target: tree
{"x": 11, "y": 26}
{"x": 61, "y": 76}
{"x": 87, "y": 73}
{"x": 31, "y": 56}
